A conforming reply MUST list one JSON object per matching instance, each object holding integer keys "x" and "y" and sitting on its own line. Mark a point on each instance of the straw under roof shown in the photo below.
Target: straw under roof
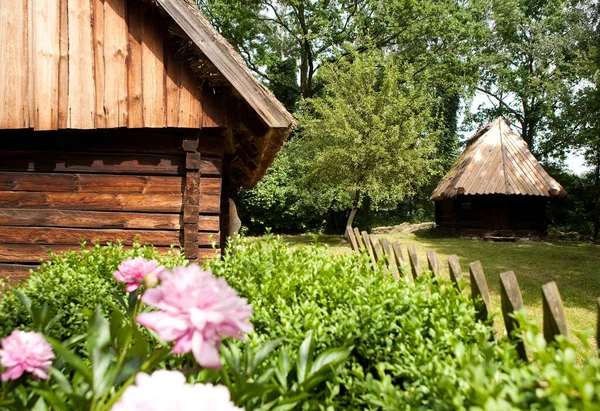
{"x": 497, "y": 161}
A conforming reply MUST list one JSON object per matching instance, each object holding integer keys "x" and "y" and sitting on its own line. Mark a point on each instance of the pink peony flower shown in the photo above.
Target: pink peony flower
{"x": 25, "y": 352}
{"x": 167, "y": 390}
{"x": 195, "y": 309}
{"x": 134, "y": 271}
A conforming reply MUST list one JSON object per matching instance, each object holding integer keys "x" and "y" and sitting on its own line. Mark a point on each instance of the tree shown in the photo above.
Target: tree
{"x": 369, "y": 134}
{"x": 529, "y": 60}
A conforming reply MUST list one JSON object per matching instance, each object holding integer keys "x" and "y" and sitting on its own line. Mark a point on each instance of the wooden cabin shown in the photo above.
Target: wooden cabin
{"x": 496, "y": 188}
{"x": 124, "y": 118}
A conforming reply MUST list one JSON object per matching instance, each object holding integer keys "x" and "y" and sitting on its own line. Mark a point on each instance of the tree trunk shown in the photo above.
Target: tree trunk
{"x": 352, "y": 213}
{"x": 597, "y": 205}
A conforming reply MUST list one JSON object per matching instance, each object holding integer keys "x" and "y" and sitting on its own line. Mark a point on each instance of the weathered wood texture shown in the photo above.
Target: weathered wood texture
{"x": 85, "y": 64}
{"x": 434, "y": 263}
{"x": 479, "y": 290}
{"x": 359, "y": 239}
{"x": 370, "y": 250}
{"x": 555, "y": 321}
{"x": 392, "y": 262}
{"x": 352, "y": 239}
{"x": 454, "y": 270}
{"x": 511, "y": 303}
{"x": 161, "y": 194}
{"x": 415, "y": 266}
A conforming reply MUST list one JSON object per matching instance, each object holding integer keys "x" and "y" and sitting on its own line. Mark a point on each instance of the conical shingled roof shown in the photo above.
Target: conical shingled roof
{"x": 497, "y": 161}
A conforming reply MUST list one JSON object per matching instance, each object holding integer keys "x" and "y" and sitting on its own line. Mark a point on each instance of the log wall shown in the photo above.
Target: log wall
{"x": 58, "y": 188}
{"x": 85, "y": 64}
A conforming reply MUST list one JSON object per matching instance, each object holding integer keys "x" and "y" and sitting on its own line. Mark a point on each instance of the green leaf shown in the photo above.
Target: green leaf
{"x": 305, "y": 357}
{"x": 98, "y": 340}
{"x": 72, "y": 359}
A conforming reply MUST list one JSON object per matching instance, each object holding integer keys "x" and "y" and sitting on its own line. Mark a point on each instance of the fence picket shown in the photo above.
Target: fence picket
{"x": 555, "y": 322}
{"x": 479, "y": 288}
{"x": 455, "y": 270}
{"x": 367, "y": 241}
{"x": 414, "y": 261}
{"x": 352, "y": 239}
{"x": 433, "y": 262}
{"x": 391, "y": 258}
{"x": 359, "y": 240}
{"x": 512, "y": 301}
{"x": 398, "y": 251}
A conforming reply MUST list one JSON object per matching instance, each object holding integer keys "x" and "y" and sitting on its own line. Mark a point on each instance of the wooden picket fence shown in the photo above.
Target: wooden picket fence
{"x": 393, "y": 258}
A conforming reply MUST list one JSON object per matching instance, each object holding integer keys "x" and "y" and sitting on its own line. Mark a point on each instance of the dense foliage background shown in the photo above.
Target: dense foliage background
{"x": 455, "y": 64}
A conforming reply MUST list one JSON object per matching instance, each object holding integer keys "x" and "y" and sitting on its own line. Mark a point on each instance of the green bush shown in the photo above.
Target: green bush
{"x": 415, "y": 345}
{"x": 73, "y": 285}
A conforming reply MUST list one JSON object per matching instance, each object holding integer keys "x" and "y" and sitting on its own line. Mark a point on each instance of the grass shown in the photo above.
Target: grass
{"x": 574, "y": 266}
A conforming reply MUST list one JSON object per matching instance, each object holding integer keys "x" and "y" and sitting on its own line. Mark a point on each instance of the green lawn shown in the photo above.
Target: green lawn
{"x": 574, "y": 266}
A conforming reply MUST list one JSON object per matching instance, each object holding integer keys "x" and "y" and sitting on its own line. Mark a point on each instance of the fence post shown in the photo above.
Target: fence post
{"x": 479, "y": 288}
{"x": 414, "y": 261}
{"x": 352, "y": 239}
{"x": 433, "y": 262}
{"x": 555, "y": 321}
{"x": 359, "y": 240}
{"x": 455, "y": 270}
{"x": 391, "y": 258}
{"x": 598, "y": 325}
{"x": 512, "y": 302}
{"x": 399, "y": 256}
{"x": 365, "y": 237}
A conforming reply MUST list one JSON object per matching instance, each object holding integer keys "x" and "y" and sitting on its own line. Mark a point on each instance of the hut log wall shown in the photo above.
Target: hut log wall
{"x": 102, "y": 185}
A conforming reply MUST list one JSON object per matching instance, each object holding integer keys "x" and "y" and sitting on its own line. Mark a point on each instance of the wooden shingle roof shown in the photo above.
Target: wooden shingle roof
{"x": 497, "y": 161}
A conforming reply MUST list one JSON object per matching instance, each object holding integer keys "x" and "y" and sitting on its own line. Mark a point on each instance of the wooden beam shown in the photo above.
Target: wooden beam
{"x": 389, "y": 251}
{"x": 359, "y": 239}
{"x": 434, "y": 263}
{"x": 555, "y": 321}
{"x": 414, "y": 261}
{"x": 455, "y": 270}
{"x": 479, "y": 289}
{"x": 352, "y": 239}
{"x": 511, "y": 303}
{"x": 369, "y": 246}
{"x": 191, "y": 196}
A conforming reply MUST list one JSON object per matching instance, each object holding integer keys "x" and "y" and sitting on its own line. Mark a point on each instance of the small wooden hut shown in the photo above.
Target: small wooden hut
{"x": 496, "y": 188}
{"x": 124, "y": 118}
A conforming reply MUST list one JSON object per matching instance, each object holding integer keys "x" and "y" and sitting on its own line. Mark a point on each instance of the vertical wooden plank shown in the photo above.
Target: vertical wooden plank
{"x": 598, "y": 324}
{"x": 46, "y": 53}
{"x": 352, "y": 239}
{"x": 479, "y": 288}
{"x": 369, "y": 246}
{"x": 115, "y": 57}
{"x": 174, "y": 70}
{"x": 14, "y": 64}
{"x": 387, "y": 250}
{"x": 414, "y": 261}
{"x": 82, "y": 100}
{"x": 455, "y": 270}
{"x": 359, "y": 239}
{"x": 153, "y": 74}
{"x": 512, "y": 302}
{"x": 63, "y": 66}
{"x": 376, "y": 247}
{"x": 434, "y": 263}
{"x": 555, "y": 321}
{"x": 398, "y": 251}
{"x": 98, "y": 37}
{"x": 184, "y": 118}
{"x": 134, "y": 67}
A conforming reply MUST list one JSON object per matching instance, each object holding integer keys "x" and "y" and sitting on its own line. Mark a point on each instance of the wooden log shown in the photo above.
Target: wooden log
{"x": 191, "y": 197}
{"x": 389, "y": 251}
{"x": 479, "y": 289}
{"x": 359, "y": 239}
{"x": 352, "y": 239}
{"x": 369, "y": 246}
{"x": 97, "y": 183}
{"x": 434, "y": 263}
{"x": 16, "y": 272}
{"x": 45, "y": 235}
{"x": 414, "y": 261}
{"x": 96, "y": 219}
{"x": 454, "y": 270}
{"x": 555, "y": 321}
{"x": 162, "y": 203}
{"x": 511, "y": 303}
{"x": 209, "y": 223}
{"x": 33, "y": 253}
